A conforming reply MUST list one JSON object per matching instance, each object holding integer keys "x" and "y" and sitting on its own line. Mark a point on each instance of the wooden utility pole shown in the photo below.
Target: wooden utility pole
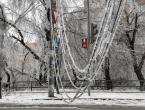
{"x": 51, "y": 61}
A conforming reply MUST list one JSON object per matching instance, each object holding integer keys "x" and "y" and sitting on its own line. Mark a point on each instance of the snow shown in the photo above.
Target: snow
{"x": 96, "y": 98}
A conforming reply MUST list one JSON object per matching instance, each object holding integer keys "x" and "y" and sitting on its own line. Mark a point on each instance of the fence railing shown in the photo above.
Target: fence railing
{"x": 95, "y": 84}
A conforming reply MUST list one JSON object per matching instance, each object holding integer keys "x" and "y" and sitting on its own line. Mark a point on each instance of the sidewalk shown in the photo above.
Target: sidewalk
{"x": 36, "y": 95}
{"x": 37, "y": 98}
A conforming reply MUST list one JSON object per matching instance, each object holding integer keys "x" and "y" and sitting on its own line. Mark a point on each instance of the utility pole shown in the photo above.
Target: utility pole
{"x": 0, "y": 88}
{"x": 51, "y": 61}
{"x": 88, "y": 37}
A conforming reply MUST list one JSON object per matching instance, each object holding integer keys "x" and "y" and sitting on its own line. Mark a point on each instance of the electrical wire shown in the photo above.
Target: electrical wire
{"x": 104, "y": 52}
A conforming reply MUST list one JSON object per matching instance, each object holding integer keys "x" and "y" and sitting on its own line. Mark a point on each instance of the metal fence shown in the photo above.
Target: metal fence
{"x": 95, "y": 84}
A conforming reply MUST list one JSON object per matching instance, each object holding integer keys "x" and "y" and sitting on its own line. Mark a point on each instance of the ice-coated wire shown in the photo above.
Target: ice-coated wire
{"x": 102, "y": 22}
{"x": 101, "y": 28}
{"x": 113, "y": 35}
{"x": 99, "y": 50}
{"x": 78, "y": 91}
{"x": 65, "y": 36}
{"x": 82, "y": 71}
{"x": 54, "y": 56}
{"x": 71, "y": 99}
{"x": 57, "y": 74}
{"x": 63, "y": 50}
{"x": 105, "y": 51}
{"x": 106, "y": 28}
{"x": 111, "y": 40}
{"x": 64, "y": 90}
{"x": 70, "y": 67}
{"x": 68, "y": 72}
{"x": 106, "y": 23}
{"x": 85, "y": 69}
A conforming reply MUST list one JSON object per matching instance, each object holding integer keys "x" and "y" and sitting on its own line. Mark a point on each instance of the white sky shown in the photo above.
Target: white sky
{"x": 3, "y": 1}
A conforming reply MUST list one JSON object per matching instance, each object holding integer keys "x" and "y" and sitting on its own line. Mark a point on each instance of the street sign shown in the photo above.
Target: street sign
{"x": 54, "y": 4}
{"x": 55, "y": 13}
{"x": 55, "y": 43}
{"x": 52, "y": 62}
{"x": 55, "y": 29}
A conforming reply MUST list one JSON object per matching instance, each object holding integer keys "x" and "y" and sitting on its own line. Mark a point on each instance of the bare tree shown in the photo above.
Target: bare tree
{"x": 19, "y": 15}
{"x": 131, "y": 33}
{"x": 2, "y": 57}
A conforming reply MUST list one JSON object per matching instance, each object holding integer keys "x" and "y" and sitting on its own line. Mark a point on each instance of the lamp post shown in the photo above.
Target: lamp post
{"x": 88, "y": 37}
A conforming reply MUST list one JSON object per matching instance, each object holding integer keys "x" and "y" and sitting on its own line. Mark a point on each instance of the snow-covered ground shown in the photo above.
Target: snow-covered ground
{"x": 99, "y": 98}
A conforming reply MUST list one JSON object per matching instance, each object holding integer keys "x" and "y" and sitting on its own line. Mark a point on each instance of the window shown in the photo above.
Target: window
{"x": 142, "y": 7}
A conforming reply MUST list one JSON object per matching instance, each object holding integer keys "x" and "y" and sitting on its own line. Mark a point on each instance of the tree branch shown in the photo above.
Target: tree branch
{"x": 22, "y": 40}
{"x": 128, "y": 36}
{"x": 135, "y": 30}
{"x": 14, "y": 26}
{"x": 2, "y": 12}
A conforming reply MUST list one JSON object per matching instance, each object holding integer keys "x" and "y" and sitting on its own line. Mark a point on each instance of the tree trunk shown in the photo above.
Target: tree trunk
{"x": 140, "y": 77}
{"x": 56, "y": 85}
{"x": 8, "y": 79}
{"x": 107, "y": 75}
